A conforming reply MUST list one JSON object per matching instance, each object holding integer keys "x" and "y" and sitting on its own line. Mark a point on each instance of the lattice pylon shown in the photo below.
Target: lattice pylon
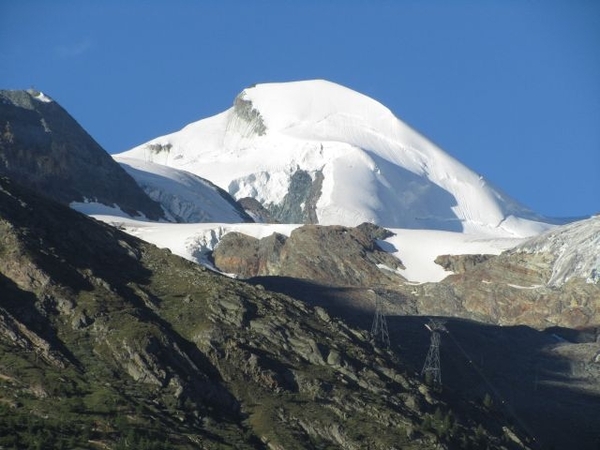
{"x": 432, "y": 361}
{"x": 379, "y": 329}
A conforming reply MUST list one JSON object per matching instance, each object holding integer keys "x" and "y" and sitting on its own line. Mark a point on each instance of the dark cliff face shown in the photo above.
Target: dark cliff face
{"x": 43, "y": 147}
{"x": 300, "y": 202}
{"x": 340, "y": 269}
{"x": 109, "y": 341}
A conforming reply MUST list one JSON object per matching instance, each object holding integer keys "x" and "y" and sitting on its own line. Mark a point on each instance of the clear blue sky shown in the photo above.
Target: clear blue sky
{"x": 510, "y": 88}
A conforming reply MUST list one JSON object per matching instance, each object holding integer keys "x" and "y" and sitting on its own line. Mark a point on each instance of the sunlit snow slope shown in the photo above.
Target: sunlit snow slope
{"x": 315, "y": 151}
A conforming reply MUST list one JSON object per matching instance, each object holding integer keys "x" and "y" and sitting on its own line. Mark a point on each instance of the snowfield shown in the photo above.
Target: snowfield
{"x": 374, "y": 167}
{"x": 417, "y": 249}
{"x": 368, "y": 166}
{"x": 184, "y": 197}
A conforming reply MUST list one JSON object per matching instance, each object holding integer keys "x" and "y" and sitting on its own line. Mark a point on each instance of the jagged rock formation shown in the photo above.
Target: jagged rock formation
{"x": 547, "y": 281}
{"x": 109, "y": 341}
{"x": 519, "y": 286}
{"x": 299, "y": 205}
{"x": 42, "y": 146}
{"x": 254, "y": 209}
{"x": 330, "y": 255}
{"x": 460, "y": 263}
{"x": 511, "y": 289}
{"x": 245, "y": 119}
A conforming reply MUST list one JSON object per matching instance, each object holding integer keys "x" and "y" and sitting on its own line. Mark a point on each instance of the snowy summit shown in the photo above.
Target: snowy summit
{"x": 315, "y": 151}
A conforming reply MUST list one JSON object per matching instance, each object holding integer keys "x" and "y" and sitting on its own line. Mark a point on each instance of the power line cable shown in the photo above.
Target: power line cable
{"x": 506, "y": 405}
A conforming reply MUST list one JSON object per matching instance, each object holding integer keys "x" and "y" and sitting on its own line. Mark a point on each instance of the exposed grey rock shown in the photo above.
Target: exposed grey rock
{"x": 43, "y": 147}
{"x": 334, "y": 358}
{"x": 300, "y": 202}
{"x": 254, "y": 209}
{"x": 245, "y": 119}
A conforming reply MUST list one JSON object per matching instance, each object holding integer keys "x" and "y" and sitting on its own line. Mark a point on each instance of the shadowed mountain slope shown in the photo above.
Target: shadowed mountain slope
{"x": 107, "y": 341}
{"x": 43, "y": 147}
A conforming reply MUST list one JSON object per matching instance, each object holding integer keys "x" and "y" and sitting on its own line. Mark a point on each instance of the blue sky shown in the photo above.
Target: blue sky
{"x": 510, "y": 88}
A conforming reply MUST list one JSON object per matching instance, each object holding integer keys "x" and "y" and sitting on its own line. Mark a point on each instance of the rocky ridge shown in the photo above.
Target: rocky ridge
{"x": 516, "y": 287}
{"x": 109, "y": 341}
{"x": 42, "y": 146}
{"x": 338, "y": 255}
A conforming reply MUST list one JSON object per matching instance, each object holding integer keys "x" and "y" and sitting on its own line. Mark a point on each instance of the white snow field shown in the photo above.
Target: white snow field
{"x": 417, "y": 249}
{"x": 375, "y": 168}
{"x": 576, "y": 246}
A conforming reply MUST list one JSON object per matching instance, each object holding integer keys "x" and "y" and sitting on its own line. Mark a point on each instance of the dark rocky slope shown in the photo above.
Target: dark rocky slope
{"x": 109, "y": 342}
{"x": 43, "y": 147}
{"x": 540, "y": 346}
{"x": 513, "y": 288}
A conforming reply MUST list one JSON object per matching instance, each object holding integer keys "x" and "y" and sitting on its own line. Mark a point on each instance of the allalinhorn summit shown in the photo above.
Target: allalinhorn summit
{"x": 317, "y": 152}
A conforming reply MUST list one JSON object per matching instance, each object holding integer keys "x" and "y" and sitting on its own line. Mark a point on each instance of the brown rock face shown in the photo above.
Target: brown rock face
{"x": 512, "y": 289}
{"x": 460, "y": 263}
{"x": 332, "y": 255}
{"x": 508, "y": 289}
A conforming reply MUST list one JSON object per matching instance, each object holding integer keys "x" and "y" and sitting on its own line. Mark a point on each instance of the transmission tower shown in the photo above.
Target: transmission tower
{"x": 432, "y": 362}
{"x": 379, "y": 329}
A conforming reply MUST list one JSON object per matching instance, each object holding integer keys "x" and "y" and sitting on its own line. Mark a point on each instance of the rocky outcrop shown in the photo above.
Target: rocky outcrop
{"x": 299, "y": 205}
{"x": 254, "y": 209}
{"x": 511, "y": 289}
{"x": 245, "y": 120}
{"x": 332, "y": 255}
{"x": 516, "y": 287}
{"x": 547, "y": 281}
{"x": 43, "y": 147}
{"x": 460, "y": 263}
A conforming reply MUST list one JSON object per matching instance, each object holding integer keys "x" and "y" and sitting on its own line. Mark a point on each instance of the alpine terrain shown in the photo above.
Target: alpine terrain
{"x": 42, "y": 146}
{"x": 301, "y": 271}
{"x": 110, "y": 342}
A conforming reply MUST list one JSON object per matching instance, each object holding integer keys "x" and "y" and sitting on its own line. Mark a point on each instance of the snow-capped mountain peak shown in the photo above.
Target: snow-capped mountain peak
{"x": 315, "y": 151}
{"x": 286, "y": 106}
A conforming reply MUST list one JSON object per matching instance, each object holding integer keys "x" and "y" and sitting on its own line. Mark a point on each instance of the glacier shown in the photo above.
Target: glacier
{"x": 365, "y": 164}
